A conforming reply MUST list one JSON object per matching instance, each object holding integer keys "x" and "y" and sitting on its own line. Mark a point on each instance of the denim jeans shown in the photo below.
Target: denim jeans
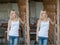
{"x": 13, "y": 40}
{"x": 42, "y": 41}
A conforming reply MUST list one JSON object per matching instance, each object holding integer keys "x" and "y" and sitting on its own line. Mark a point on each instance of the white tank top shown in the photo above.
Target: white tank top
{"x": 44, "y": 27}
{"x": 14, "y": 30}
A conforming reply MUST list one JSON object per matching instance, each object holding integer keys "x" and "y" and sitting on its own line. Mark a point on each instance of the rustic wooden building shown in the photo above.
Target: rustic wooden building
{"x": 29, "y": 12}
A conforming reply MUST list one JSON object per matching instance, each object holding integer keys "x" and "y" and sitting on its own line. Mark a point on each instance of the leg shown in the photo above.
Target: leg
{"x": 10, "y": 40}
{"x": 39, "y": 41}
{"x": 45, "y": 41}
{"x": 16, "y": 40}
{"x": 42, "y": 41}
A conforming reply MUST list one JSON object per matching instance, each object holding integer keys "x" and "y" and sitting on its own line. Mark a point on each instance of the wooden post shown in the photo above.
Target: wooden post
{"x": 24, "y": 13}
{"x": 58, "y": 43}
{"x": 27, "y": 23}
{"x": 22, "y": 8}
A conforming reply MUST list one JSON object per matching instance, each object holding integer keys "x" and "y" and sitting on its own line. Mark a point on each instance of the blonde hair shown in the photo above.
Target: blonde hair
{"x": 11, "y": 14}
{"x": 40, "y": 18}
{"x": 39, "y": 21}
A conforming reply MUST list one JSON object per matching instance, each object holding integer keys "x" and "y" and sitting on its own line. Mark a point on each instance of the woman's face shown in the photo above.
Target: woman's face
{"x": 13, "y": 14}
{"x": 44, "y": 15}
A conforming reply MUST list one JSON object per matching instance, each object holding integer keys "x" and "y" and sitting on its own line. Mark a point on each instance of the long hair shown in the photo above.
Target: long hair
{"x": 40, "y": 17}
{"x": 11, "y": 14}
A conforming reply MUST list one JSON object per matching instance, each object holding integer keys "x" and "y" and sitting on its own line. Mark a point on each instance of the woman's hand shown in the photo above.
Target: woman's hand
{"x": 36, "y": 38}
{"x": 52, "y": 22}
{"x": 38, "y": 25}
{"x": 7, "y": 37}
{"x": 23, "y": 22}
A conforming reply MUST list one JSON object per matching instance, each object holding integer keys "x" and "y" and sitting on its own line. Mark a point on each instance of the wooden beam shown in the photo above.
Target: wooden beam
{"x": 8, "y": 1}
{"x": 24, "y": 13}
{"x": 22, "y": 8}
{"x": 58, "y": 31}
{"x": 27, "y": 23}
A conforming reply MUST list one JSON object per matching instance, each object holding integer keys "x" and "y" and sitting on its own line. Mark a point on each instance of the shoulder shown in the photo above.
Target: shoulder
{"x": 49, "y": 19}
{"x": 19, "y": 19}
{"x": 9, "y": 21}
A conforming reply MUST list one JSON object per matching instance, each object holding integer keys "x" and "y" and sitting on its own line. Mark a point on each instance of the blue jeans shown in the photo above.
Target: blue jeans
{"x": 42, "y": 41}
{"x": 13, "y": 40}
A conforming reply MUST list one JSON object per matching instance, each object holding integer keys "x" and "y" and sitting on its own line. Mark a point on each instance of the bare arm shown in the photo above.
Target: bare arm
{"x": 21, "y": 21}
{"x": 8, "y": 29}
{"x": 52, "y": 22}
{"x": 38, "y": 24}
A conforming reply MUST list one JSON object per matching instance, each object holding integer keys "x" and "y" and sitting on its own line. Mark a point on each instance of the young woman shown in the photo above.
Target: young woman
{"x": 13, "y": 28}
{"x": 43, "y": 28}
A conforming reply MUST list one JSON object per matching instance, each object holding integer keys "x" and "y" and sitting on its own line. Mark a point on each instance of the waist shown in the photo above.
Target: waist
{"x": 44, "y": 28}
{"x": 13, "y": 33}
{"x": 43, "y": 33}
{"x": 14, "y": 28}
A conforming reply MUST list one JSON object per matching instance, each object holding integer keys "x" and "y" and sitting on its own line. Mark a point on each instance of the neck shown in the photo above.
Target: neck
{"x": 14, "y": 19}
{"x": 44, "y": 19}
